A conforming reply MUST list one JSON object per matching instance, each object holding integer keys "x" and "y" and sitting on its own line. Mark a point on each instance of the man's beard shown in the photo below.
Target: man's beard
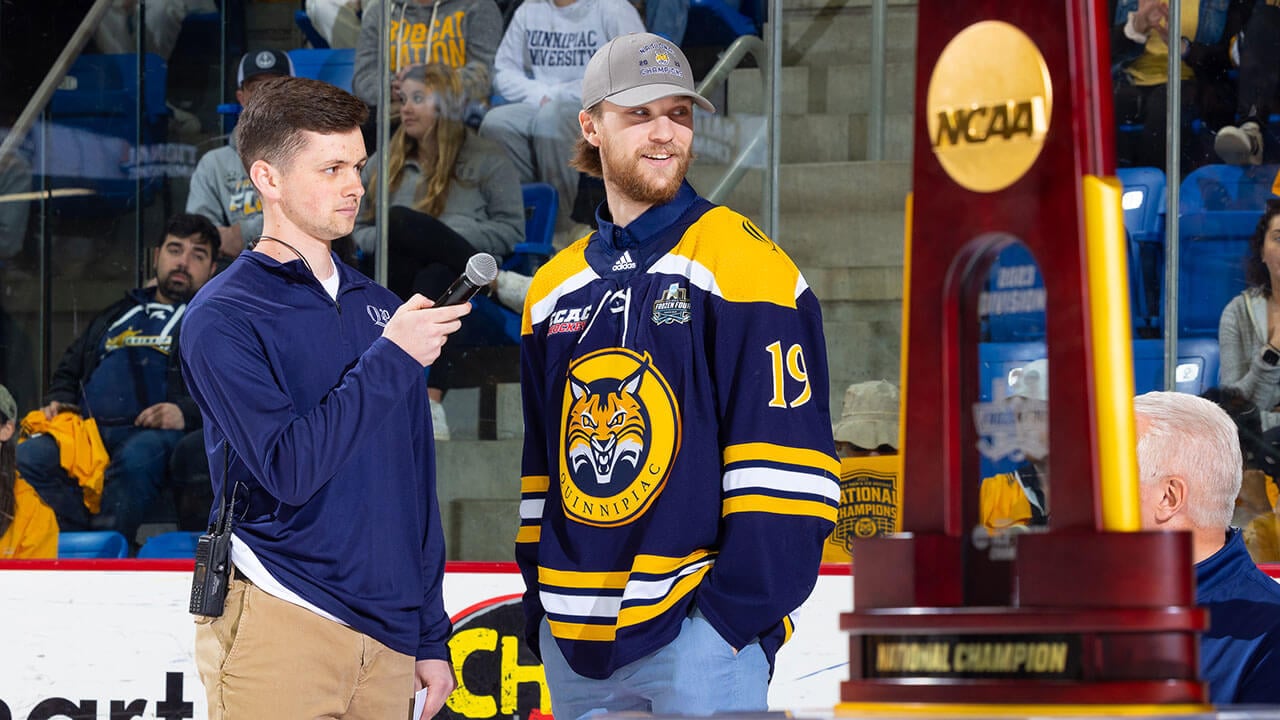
{"x": 629, "y": 178}
{"x": 177, "y": 293}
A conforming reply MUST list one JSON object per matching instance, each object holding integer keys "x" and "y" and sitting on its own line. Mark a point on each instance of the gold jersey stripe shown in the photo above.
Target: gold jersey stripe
{"x": 616, "y": 580}
{"x": 747, "y": 265}
{"x": 638, "y": 614}
{"x": 582, "y": 631}
{"x": 769, "y": 452}
{"x": 778, "y": 506}
{"x": 629, "y": 616}
{"x": 664, "y": 565}
{"x": 529, "y": 534}
{"x": 788, "y": 629}
{"x": 562, "y": 266}
{"x": 535, "y": 484}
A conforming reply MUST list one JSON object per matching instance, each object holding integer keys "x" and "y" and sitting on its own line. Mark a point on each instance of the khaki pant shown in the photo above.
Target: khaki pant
{"x": 266, "y": 658}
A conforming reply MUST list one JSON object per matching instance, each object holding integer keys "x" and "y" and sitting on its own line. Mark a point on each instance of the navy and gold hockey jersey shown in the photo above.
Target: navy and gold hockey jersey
{"x": 678, "y": 443}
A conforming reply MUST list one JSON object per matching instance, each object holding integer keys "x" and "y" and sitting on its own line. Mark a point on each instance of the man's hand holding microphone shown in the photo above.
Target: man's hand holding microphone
{"x": 421, "y": 327}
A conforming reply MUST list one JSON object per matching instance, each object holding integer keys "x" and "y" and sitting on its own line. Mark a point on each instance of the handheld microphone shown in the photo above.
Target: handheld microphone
{"x": 481, "y": 270}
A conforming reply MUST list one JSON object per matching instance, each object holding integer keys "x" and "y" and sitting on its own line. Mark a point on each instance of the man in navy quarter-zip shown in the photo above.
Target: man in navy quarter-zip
{"x": 311, "y": 376}
{"x": 679, "y": 477}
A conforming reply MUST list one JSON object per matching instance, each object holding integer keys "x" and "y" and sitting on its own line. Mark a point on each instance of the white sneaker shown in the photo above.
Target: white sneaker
{"x": 512, "y": 287}
{"x": 439, "y": 423}
{"x": 1239, "y": 145}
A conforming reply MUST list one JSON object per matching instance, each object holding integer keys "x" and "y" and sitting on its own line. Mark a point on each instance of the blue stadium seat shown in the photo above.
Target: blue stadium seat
{"x": 1197, "y": 368}
{"x": 336, "y": 66}
{"x": 1144, "y": 205}
{"x": 95, "y": 544}
{"x": 91, "y": 139}
{"x": 1221, "y": 205}
{"x": 177, "y": 544}
{"x": 541, "y": 202}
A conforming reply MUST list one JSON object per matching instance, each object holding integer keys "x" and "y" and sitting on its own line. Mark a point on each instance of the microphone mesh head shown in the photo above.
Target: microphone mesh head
{"x": 481, "y": 269}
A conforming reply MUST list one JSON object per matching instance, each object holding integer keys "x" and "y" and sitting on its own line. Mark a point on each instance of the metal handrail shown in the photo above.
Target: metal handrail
{"x": 718, "y": 75}
{"x": 54, "y": 77}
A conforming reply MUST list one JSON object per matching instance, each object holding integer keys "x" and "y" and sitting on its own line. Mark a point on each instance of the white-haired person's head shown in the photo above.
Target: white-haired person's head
{"x": 1189, "y": 463}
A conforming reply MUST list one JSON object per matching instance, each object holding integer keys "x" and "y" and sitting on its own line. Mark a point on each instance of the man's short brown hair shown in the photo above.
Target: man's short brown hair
{"x": 281, "y": 109}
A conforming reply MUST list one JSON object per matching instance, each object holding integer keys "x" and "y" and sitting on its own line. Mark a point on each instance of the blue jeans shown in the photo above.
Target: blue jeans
{"x": 138, "y": 468}
{"x": 695, "y": 674}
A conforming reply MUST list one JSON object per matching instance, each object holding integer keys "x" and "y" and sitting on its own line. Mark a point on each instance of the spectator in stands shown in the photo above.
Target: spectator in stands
{"x": 220, "y": 186}
{"x": 1249, "y": 330}
{"x": 1256, "y": 506}
{"x": 1139, "y": 56}
{"x": 463, "y": 34}
{"x": 1189, "y": 467}
{"x": 870, "y": 472}
{"x": 162, "y": 22}
{"x": 452, "y": 194}
{"x": 337, "y": 21}
{"x": 538, "y": 71}
{"x": 669, "y": 18}
{"x": 28, "y": 528}
{"x": 1257, "y": 52}
{"x": 123, "y": 371}
{"x": 1020, "y": 498}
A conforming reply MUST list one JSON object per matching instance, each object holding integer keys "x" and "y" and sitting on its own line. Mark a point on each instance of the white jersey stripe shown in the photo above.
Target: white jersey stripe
{"x": 781, "y": 481}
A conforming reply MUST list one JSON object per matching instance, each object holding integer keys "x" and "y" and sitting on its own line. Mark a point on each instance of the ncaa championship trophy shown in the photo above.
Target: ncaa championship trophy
{"x": 1087, "y": 613}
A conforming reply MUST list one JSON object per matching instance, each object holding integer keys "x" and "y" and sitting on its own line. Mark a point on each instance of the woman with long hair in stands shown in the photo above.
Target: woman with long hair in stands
{"x": 28, "y": 528}
{"x": 452, "y": 194}
{"x": 1249, "y": 330}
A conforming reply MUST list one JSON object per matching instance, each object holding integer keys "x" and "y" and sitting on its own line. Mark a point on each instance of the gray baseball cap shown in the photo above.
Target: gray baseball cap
{"x": 636, "y": 69}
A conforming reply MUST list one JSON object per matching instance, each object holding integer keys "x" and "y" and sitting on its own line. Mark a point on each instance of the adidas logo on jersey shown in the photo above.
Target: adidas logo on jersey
{"x": 624, "y": 263}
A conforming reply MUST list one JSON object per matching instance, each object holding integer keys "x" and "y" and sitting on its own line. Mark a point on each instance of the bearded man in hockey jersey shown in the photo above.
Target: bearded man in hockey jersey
{"x": 679, "y": 476}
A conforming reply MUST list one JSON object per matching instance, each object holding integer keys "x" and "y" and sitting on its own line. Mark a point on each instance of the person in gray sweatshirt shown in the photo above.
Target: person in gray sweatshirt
{"x": 463, "y": 34}
{"x": 220, "y": 187}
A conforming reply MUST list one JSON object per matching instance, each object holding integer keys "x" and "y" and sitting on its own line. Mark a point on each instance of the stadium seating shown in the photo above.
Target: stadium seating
{"x": 1144, "y": 204}
{"x": 94, "y": 544}
{"x": 1220, "y": 207}
{"x": 540, "y": 204}
{"x": 336, "y": 66}
{"x": 176, "y": 544}
{"x": 91, "y": 140}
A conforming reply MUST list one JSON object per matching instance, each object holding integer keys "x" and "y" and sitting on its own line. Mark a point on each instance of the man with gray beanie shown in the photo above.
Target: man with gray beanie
{"x": 679, "y": 477}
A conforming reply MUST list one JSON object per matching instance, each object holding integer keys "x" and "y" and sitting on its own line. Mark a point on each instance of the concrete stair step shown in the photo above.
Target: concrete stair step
{"x": 817, "y": 188}
{"x": 473, "y": 479}
{"x": 839, "y": 34}
{"x": 810, "y": 138}
{"x": 858, "y": 240}
{"x": 858, "y": 351}
{"x": 824, "y": 89}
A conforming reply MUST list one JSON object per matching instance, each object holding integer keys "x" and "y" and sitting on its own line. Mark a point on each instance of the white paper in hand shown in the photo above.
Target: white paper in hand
{"x": 419, "y": 703}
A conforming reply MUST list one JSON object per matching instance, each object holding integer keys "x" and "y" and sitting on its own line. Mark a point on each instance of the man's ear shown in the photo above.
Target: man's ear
{"x": 589, "y": 131}
{"x": 265, "y": 179}
{"x": 1172, "y": 500}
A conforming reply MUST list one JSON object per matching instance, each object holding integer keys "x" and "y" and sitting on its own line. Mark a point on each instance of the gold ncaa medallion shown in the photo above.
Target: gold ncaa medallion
{"x": 989, "y": 103}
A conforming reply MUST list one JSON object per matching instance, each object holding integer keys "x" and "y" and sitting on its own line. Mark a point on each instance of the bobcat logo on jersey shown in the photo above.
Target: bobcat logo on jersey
{"x": 618, "y": 439}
